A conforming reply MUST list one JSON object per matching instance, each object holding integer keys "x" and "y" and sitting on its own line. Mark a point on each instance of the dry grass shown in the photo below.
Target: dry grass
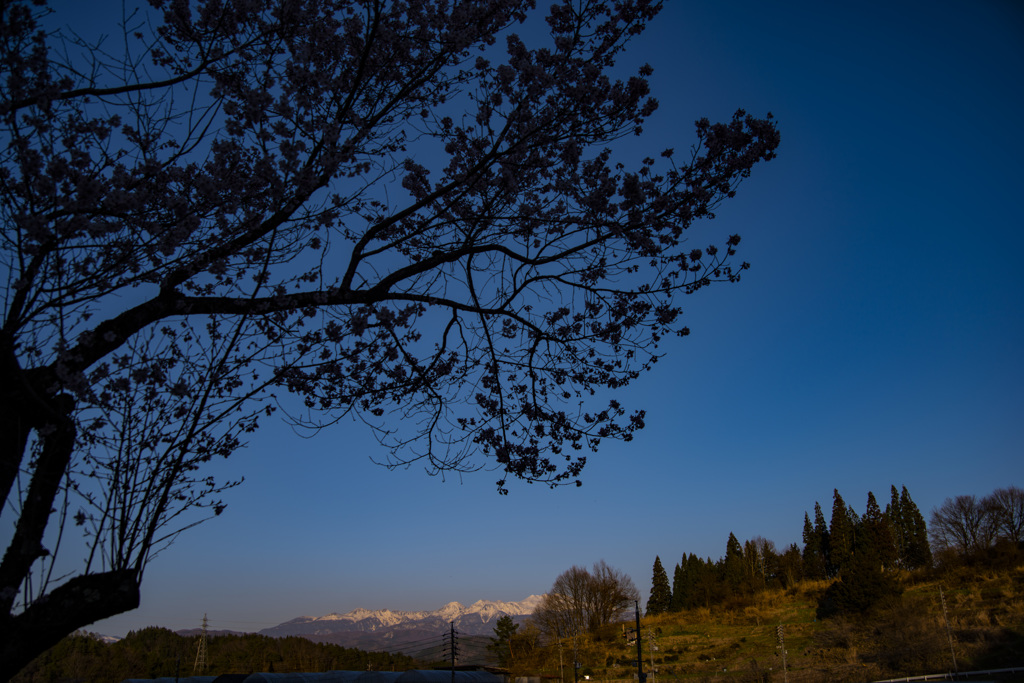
{"x": 908, "y": 637}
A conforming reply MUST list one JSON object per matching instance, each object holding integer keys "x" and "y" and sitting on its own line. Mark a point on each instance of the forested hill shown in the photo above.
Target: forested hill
{"x": 154, "y": 652}
{"x": 862, "y": 552}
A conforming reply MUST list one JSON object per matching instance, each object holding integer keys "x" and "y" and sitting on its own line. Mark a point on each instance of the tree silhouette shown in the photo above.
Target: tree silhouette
{"x": 909, "y": 531}
{"x": 398, "y": 211}
{"x": 918, "y": 551}
{"x": 963, "y": 524}
{"x": 733, "y": 571}
{"x": 840, "y": 534}
{"x": 501, "y": 644}
{"x": 861, "y": 586}
{"x": 660, "y": 599}
{"x": 1006, "y": 506}
{"x": 685, "y": 583}
{"x": 874, "y": 536}
{"x": 813, "y": 556}
{"x": 582, "y": 601}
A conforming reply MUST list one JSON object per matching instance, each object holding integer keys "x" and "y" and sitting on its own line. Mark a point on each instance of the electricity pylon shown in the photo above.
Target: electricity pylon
{"x": 200, "y": 664}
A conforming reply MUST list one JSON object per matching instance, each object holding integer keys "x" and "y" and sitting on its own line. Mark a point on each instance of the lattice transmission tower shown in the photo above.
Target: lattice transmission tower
{"x": 200, "y": 664}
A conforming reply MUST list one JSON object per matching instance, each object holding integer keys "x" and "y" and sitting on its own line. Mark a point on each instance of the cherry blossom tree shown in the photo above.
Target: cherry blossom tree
{"x": 400, "y": 211}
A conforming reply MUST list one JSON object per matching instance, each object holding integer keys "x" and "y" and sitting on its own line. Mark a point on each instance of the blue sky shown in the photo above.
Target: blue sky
{"x": 876, "y": 340}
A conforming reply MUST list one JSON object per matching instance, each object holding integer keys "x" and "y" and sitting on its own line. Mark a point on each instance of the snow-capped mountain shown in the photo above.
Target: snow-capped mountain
{"x": 395, "y": 631}
{"x": 477, "y": 619}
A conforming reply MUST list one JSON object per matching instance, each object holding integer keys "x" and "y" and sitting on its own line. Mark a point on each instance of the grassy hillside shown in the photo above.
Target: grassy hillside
{"x": 904, "y": 637}
{"x": 737, "y": 641}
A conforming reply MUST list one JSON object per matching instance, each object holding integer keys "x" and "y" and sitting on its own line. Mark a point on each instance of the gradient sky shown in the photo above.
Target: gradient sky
{"x": 878, "y": 339}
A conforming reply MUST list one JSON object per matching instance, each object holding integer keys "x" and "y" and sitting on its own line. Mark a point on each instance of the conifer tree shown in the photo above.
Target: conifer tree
{"x": 678, "y": 587}
{"x": 821, "y": 530}
{"x": 862, "y": 585}
{"x": 732, "y": 565}
{"x": 791, "y": 566}
{"x": 854, "y": 519}
{"x": 813, "y": 554}
{"x": 841, "y": 534}
{"x": 501, "y": 644}
{"x": 696, "y": 575}
{"x": 661, "y": 593}
{"x": 874, "y": 540}
{"x": 894, "y": 515}
{"x": 918, "y": 552}
{"x": 706, "y": 582}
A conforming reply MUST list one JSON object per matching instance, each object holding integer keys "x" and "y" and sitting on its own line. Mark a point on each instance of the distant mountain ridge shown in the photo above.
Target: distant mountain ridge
{"x": 394, "y": 631}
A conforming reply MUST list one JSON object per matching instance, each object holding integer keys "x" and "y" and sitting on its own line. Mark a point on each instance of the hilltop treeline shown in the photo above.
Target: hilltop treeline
{"x": 154, "y": 652}
{"x": 862, "y": 550}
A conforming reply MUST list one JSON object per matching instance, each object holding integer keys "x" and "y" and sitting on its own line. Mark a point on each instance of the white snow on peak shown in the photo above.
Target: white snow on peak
{"x": 477, "y": 618}
{"x": 451, "y": 611}
{"x": 486, "y": 609}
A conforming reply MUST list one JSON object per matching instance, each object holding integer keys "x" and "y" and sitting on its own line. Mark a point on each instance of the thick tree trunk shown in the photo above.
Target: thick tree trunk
{"x": 73, "y": 605}
{"x": 57, "y": 445}
{"x": 26, "y": 407}
{"x": 15, "y": 424}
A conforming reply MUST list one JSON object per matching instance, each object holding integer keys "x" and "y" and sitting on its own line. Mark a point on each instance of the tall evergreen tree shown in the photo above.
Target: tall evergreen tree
{"x": 706, "y": 582}
{"x": 791, "y": 566}
{"x": 813, "y": 554}
{"x": 501, "y": 644}
{"x": 841, "y": 534}
{"x": 874, "y": 538}
{"x": 733, "y": 570}
{"x": 894, "y": 515}
{"x": 854, "y": 519}
{"x": 696, "y": 571}
{"x": 918, "y": 551}
{"x": 679, "y": 588}
{"x": 862, "y": 585}
{"x": 821, "y": 529}
{"x": 661, "y": 592}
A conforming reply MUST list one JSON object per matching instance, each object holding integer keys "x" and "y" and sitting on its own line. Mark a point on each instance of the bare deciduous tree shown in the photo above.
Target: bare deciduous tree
{"x": 582, "y": 601}
{"x": 963, "y": 524}
{"x": 1006, "y": 506}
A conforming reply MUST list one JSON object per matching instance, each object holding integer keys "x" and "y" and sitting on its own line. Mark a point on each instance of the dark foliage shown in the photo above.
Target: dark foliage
{"x": 909, "y": 531}
{"x": 660, "y": 599}
{"x": 396, "y": 211}
{"x": 841, "y": 532}
{"x": 155, "y": 652}
{"x": 501, "y": 644}
{"x": 862, "y": 585}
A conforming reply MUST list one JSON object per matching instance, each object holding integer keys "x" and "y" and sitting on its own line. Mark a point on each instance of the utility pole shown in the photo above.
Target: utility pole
{"x": 640, "y": 676}
{"x": 575, "y": 660}
{"x": 452, "y": 646}
{"x": 561, "y": 665}
{"x": 782, "y": 646}
{"x": 651, "y": 647}
{"x": 949, "y": 632}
